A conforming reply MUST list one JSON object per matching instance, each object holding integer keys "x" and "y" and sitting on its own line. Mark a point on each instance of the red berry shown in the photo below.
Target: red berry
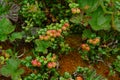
{"x": 38, "y": 64}
{"x": 50, "y": 65}
{"x": 66, "y": 24}
{"x": 58, "y": 34}
{"x": 34, "y": 62}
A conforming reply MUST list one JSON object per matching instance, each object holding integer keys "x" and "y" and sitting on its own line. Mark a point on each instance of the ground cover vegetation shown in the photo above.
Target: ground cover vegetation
{"x": 40, "y": 38}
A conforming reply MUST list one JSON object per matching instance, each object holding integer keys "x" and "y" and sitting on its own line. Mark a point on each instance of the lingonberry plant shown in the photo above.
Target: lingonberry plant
{"x": 35, "y": 35}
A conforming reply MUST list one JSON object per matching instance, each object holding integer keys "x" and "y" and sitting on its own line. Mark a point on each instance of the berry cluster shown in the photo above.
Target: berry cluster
{"x": 85, "y": 47}
{"x": 54, "y": 33}
{"x": 36, "y": 63}
{"x": 75, "y": 10}
{"x": 51, "y": 65}
{"x": 94, "y": 41}
{"x": 50, "y": 62}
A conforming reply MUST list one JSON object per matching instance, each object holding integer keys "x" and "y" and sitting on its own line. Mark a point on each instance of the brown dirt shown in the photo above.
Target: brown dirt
{"x": 69, "y": 62}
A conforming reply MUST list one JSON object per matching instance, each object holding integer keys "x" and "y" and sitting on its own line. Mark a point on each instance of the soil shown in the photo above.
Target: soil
{"x": 69, "y": 62}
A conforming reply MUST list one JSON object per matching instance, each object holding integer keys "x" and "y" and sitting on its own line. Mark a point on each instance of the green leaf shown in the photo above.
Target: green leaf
{"x": 42, "y": 45}
{"x": 117, "y": 24}
{"x": 118, "y": 57}
{"x": 99, "y": 20}
{"x": 88, "y": 34}
{"x": 62, "y": 78}
{"x": 92, "y": 4}
{"x": 6, "y": 26}
{"x": 11, "y": 69}
{"x": 76, "y": 19}
{"x": 67, "y": 75}
{"x": 3, "y": 37}
{"x": 16, "y": 35}
{"x": 16, "y": 76}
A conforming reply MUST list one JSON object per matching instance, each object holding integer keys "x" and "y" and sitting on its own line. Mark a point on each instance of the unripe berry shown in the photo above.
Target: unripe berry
{"x": 79, "y": 78}
{"x": 54, "y": 64}
{"x": 46, "y": 38}
{"x": 41, "y": 37}
{"x": 90, "y": 40}
{"x": 77, "y": 10}
{"x": 58, "y": 34}
{"x": 48, "y": 32}
{"x": 85, "y": 47}
{"x": 52, "y": 39}
{"x": 86, "y": 7}
{"x": 59, "y": 30}
{"x": 64, "y": 28}
{"x": 54, "y": 57}
{"x": 97, "y": 40}
{"x": 73, "y": 10}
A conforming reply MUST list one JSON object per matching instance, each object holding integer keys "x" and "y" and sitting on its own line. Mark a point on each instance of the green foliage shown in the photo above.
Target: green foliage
{"x": 2, "y": 59}
{"x": 117, "y": 24}
{"x": 33, "y": 14}
{"x": 26, "y": 61}
{"x": 36, "y": 76}
{"x": 66, "y": 76}
{"x": 88, "y": 34}
{"x": 64, "y": 47}
{"x": 12, "y": 69}
{"x": 3, "y": 8}
{"x": 100, "y": 21}
{"x": 89, "y": 74}
{"x": 45, "y": 24}
{"x": 5, "y": 29}
{"x": 43, "y": 71}
{"x": 116, "y": 64}
{"x": 76, "y": 19}
{"x": 16, "y": 35}
{"x": 42, "y": 45}
{"x": 89, "y": 5}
